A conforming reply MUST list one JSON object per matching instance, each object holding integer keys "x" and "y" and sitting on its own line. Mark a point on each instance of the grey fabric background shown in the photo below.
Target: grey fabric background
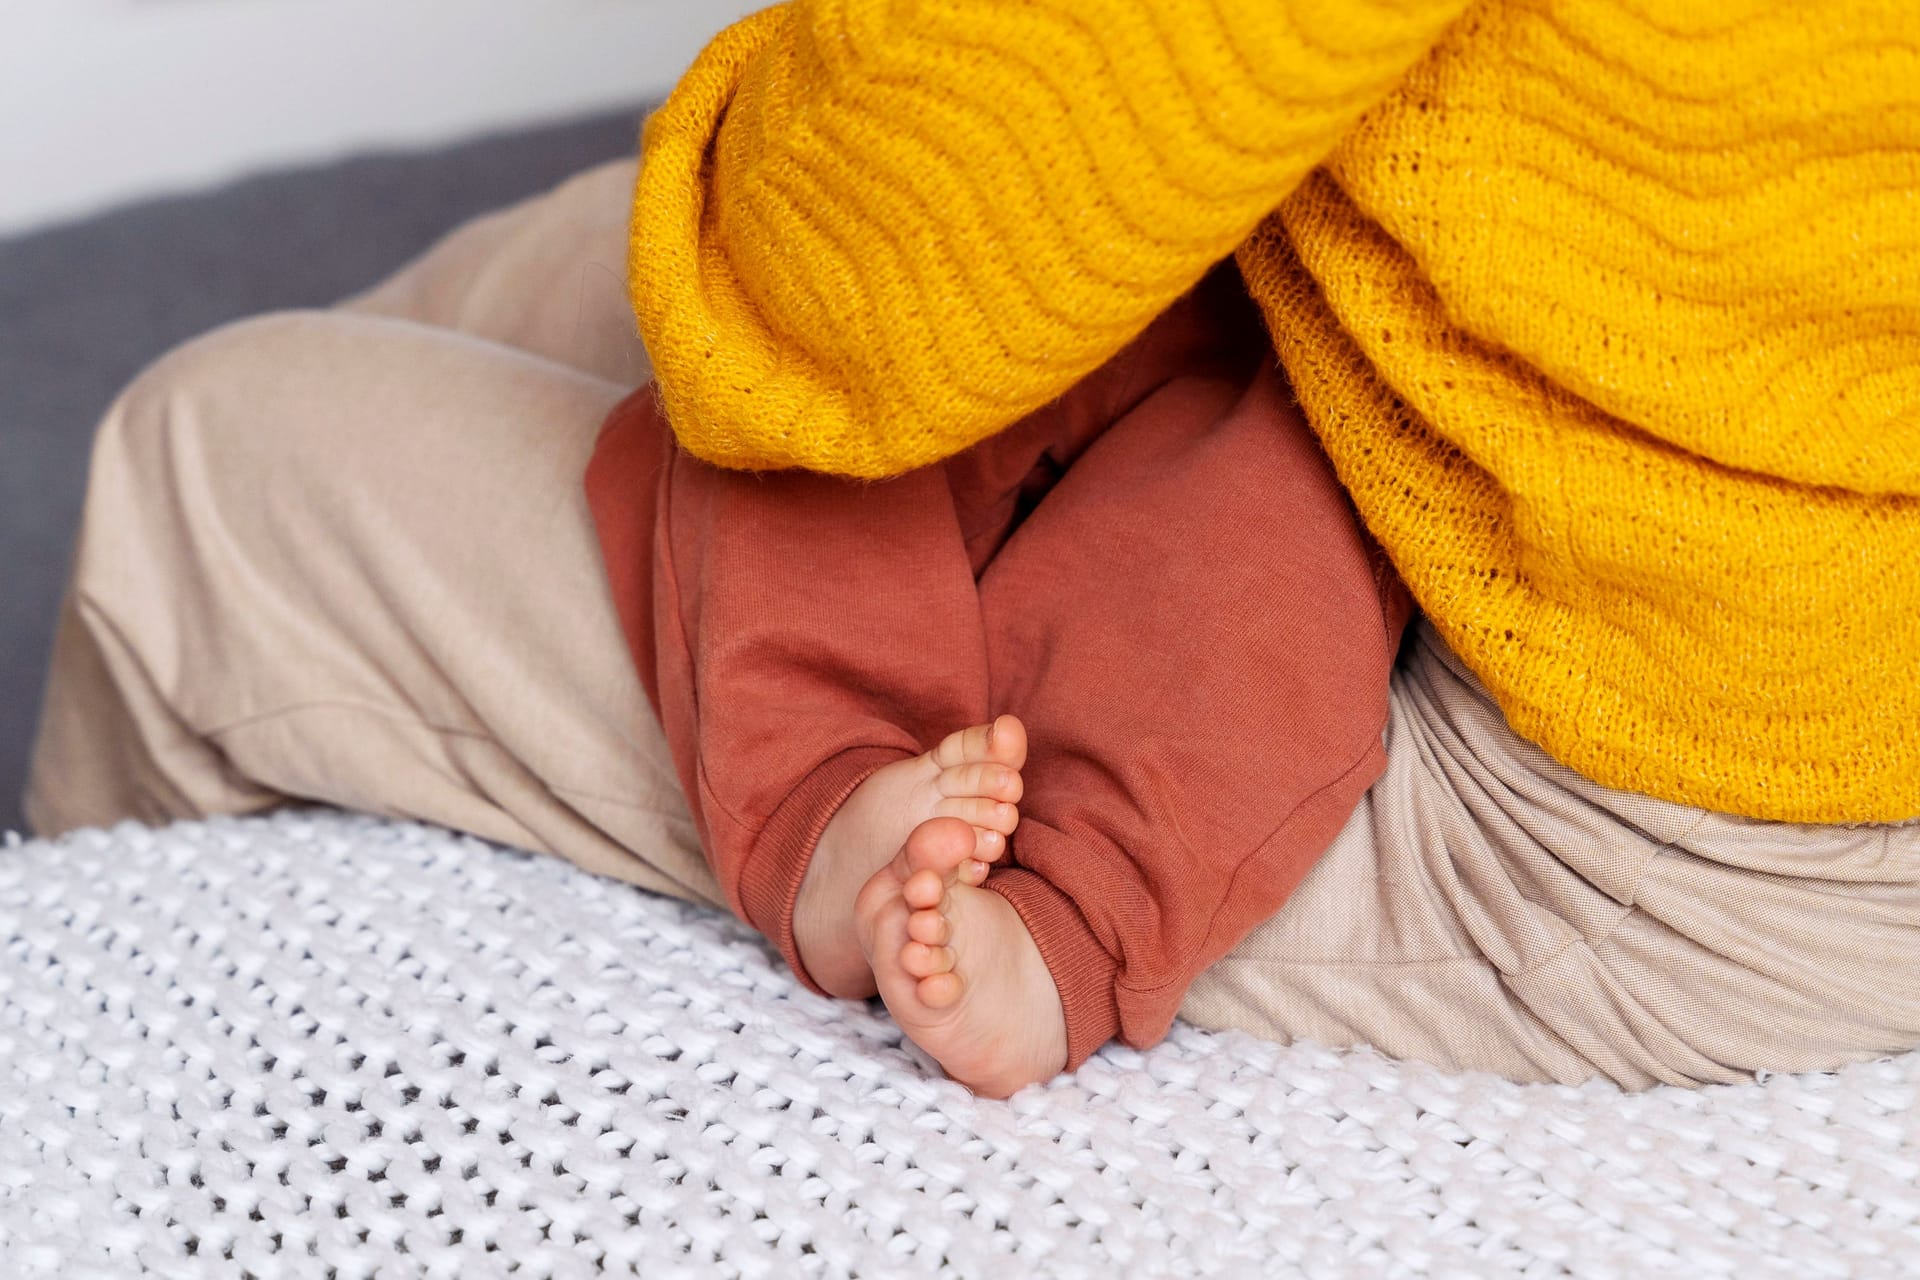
{"x": 85, "y": 306}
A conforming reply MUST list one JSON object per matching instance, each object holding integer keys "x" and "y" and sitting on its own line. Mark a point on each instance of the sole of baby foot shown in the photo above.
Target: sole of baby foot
{"x": 957, "y": 968}
{"x": 973, "y": 777}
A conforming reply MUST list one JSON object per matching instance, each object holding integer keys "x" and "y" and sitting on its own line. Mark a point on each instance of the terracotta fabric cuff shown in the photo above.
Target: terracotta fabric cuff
{"x": 770, "y": 880}
{"x": 1082, "y": 970}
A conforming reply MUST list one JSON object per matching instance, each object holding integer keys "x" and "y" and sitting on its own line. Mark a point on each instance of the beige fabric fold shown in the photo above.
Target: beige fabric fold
{"x": 1487, "y": 907}
{"x": 345, "y": 556}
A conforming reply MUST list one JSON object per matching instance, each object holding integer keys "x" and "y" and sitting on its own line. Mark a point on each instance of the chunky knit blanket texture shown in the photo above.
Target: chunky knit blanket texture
{"x": 316, "y": 1044}
{"x": 1607, "y": 312}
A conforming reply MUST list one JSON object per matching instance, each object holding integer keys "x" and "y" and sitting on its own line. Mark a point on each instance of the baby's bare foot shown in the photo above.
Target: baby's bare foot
{"x": 958, "y": 969}
{"x": 972, "y": 776}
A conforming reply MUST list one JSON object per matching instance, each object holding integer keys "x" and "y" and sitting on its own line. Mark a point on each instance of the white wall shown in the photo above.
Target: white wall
{"x": 103, "y": 101}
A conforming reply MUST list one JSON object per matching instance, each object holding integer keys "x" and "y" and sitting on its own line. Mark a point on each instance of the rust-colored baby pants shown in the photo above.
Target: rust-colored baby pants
{"x": 1158, "y": 573}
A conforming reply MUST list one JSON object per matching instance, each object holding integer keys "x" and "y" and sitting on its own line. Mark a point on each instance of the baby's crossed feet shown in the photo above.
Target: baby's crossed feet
{"x": 972, "y": 778}
{"x": 957, "y": 967}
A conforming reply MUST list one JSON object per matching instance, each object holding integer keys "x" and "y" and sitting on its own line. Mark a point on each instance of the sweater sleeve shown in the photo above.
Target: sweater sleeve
{"x": 868, "y": 233}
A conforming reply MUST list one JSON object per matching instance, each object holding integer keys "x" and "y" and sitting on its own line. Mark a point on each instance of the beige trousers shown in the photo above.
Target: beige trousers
{"x": 344, "y": 556}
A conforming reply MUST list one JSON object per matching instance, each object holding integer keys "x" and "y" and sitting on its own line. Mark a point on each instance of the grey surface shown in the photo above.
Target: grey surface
{"x": 84, "y": 307}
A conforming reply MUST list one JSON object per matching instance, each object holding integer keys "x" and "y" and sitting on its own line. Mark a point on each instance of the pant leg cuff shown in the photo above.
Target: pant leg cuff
{"x": 1082, "y": 970}
{"x": 770, "y": 879}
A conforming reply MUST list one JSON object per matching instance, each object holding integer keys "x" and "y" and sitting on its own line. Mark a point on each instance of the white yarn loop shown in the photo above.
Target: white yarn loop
{"x": 321, "y": 1044}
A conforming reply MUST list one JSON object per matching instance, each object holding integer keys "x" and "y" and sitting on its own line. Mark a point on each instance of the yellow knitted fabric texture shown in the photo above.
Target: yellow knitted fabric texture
{"x": 1607, "y": 313}
{"x": 922, "y": 220}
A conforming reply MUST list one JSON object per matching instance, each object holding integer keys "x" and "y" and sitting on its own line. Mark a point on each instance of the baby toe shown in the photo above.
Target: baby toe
{"x": 982, "y": 778}
{"x": 989, "y": 815}
{"x": 929, "y": 927}
{"x": 924, "y": 890}
{"x": 923, "y": 961}
{"x": 940, "y": 845}
{"x": 941, "y": 991}
{"x": 963, "y": 745}
{"x": 988, "y": 846}
{"x": 1006, "y": 741}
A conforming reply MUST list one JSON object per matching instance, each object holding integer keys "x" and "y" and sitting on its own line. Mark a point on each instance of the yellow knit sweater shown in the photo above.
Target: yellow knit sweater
{"x": 1607, "y": 312}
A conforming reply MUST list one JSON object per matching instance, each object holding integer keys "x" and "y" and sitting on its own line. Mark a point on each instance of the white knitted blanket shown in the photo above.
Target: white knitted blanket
{"x": 317, "y": 1044}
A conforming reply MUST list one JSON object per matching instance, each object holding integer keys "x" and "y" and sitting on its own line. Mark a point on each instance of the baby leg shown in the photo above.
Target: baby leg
{"x": 814, "y": 649}
{"x": 806, "y": 639}
{"x": 1199, "y": 636}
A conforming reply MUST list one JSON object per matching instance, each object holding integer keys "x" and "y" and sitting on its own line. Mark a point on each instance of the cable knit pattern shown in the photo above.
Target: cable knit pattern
{"x": 1608, "y": 314}
{"x": 1613, "y": 331}
{"x": 920, "y": 221}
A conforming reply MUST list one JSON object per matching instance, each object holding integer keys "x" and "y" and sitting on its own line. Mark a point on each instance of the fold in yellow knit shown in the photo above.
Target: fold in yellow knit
{"x": 1608, "y": 314}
